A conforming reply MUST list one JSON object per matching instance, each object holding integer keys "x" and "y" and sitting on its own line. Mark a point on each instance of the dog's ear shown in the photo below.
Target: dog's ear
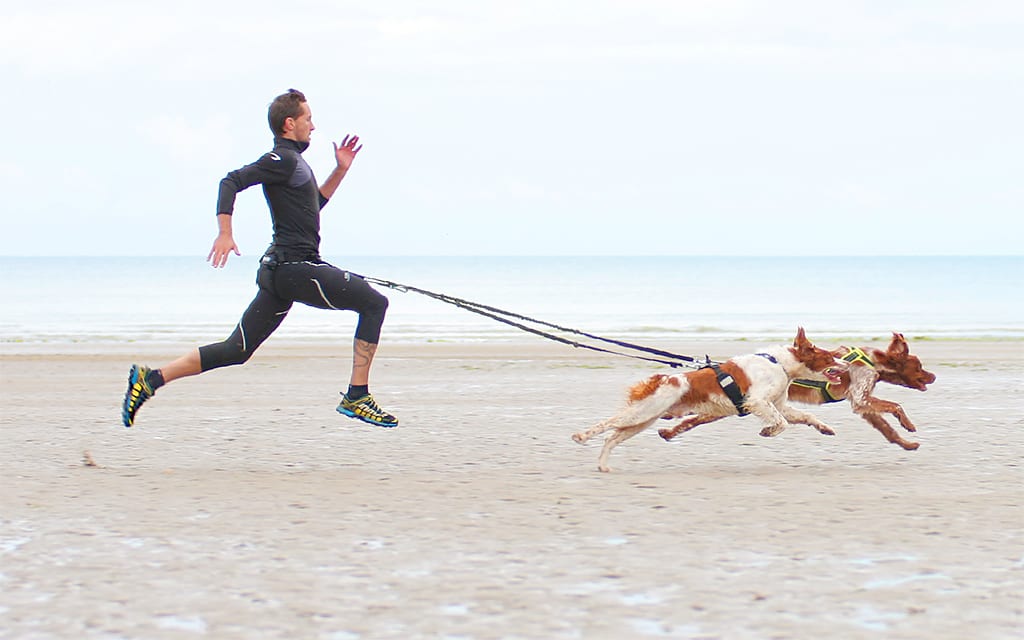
{"x": 801, "y": 341}
{"x": 898, "y": 347}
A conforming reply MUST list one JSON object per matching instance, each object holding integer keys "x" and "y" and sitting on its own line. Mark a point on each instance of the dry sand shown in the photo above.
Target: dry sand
{"x": 242, "y": 506}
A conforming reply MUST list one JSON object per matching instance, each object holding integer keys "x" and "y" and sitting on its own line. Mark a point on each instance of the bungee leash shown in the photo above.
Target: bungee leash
{"x": 501, "y": 315}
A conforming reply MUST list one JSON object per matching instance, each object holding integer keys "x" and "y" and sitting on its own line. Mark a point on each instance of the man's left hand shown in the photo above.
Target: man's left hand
{"x": 346, "y": 152}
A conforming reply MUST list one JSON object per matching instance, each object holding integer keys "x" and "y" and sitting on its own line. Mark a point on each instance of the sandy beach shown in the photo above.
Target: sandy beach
{"x": 241, "y": 505}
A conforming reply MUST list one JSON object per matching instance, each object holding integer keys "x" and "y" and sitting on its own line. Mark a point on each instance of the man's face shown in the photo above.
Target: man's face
{"x": 301, "y": 127}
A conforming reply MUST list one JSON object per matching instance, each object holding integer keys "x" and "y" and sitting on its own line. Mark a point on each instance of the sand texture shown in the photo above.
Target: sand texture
{"x": 241, "y": 505}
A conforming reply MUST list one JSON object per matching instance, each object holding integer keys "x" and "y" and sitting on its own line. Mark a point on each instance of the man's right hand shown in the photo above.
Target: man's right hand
{"x": 222, "y": 248}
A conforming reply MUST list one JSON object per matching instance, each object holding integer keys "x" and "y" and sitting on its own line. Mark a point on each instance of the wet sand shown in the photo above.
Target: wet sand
{"x": 241, "y": 505}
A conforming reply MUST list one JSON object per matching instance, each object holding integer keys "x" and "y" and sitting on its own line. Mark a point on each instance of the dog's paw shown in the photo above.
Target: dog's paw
{"x": 909, "y": 446}
{"x": 772, "y": 431}
{"x": 579, "y": 438}
{"x": 825, "y": 431}
{"x": 603, "y": 469}
{"x": 667, "y": 434}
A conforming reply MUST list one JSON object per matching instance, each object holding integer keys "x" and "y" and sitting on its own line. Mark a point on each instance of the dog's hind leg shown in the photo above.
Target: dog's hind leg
{"x": 688, "y": 423}
{"x": 879, "y": 423}
{"x": 616, "y": 438}
{"x": 641, "y": 411}
{"x": 581, "y": 437}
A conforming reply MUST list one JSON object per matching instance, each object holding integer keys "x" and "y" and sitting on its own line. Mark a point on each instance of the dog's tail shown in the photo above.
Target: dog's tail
{"x": 649, "y": 399}
{"x": 644, "y": 389}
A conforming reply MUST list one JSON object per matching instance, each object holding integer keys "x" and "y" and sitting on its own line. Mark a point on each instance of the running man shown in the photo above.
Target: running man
{"x": 290, "y": 271}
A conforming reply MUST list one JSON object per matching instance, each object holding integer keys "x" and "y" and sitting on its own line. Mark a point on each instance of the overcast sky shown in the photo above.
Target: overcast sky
{"x": 626, "y": 127}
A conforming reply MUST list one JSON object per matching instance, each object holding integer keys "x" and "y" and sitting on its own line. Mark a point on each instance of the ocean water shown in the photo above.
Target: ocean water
{"x": 650, "y": 300}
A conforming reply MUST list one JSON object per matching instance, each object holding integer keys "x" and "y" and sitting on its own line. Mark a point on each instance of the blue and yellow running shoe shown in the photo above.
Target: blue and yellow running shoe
{"x": 138, "y": 392}
{"x": 367, "y": 410}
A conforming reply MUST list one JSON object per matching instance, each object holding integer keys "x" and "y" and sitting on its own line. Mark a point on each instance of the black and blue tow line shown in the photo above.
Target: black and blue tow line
{"x": 509, "y": 317}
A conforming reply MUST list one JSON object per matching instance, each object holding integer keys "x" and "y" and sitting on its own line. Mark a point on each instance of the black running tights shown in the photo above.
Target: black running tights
{"x": 313, "y": 283}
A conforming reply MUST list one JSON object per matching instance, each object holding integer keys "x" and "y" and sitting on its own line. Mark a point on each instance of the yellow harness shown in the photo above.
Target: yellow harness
{"x": 857, "y": 354}
{"x": 854, "y": 355}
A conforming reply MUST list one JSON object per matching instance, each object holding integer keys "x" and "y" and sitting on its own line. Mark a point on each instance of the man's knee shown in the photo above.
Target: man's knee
{"x": 374, "y": 306}
{"x": 371, "y": 318}
{"x": 223, "y": 354}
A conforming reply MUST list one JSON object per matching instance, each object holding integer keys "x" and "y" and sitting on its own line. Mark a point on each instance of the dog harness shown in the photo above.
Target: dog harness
{"x": 731, "y": 389}
{"x": 821, "y": 385}
{"x": 855, "y": 355}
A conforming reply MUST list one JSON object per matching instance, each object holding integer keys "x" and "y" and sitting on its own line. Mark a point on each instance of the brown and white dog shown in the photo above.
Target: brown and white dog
{"x": 895, "y": 365}
{"x": 761, "y": 380}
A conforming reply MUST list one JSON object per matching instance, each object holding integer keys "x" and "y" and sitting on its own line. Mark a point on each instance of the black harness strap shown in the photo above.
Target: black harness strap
{"x": 822, "y": 386}
{"x": 494, "y": 313}
{"x": 731, "y": 389}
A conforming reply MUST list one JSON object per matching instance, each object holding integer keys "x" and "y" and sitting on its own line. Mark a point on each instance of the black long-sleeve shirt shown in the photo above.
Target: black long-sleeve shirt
{"x": 291, "y": 192}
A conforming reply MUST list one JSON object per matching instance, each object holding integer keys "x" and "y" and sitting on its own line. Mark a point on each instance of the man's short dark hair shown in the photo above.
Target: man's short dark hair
{"x": 287, "y": 105}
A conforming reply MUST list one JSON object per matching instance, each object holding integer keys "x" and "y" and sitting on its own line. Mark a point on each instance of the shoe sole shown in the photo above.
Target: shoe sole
{"x": 133, "y": 376}
{"x": 351, "y": 414}
{"x": 127, "y": 419}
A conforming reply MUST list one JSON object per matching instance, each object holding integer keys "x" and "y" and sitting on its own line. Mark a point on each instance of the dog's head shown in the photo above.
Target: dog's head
{"x": 896, "y": 365}
{"x": 816, "y": 359}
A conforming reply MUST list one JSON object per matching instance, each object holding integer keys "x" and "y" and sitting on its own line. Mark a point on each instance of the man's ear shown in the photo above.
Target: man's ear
{"x": 289, "y": 124}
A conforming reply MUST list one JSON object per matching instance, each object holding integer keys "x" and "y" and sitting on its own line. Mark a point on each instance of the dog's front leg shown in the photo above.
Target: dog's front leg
{"x": 774, "y": 422}
{"x": 904, "y": 419}
{"x": 877, "y": 405}
{"x": 879, "y": 423}
{"x": 795, "y": 416}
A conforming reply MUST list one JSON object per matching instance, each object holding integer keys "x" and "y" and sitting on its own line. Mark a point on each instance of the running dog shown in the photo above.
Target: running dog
{"x": 754, "y": 383}
{"x": 895, "y": 365}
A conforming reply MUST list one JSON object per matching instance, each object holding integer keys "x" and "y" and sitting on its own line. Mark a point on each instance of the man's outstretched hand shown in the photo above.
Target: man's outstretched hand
{"x": 346, "y": 152}
{"x": 222, "y": 248}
